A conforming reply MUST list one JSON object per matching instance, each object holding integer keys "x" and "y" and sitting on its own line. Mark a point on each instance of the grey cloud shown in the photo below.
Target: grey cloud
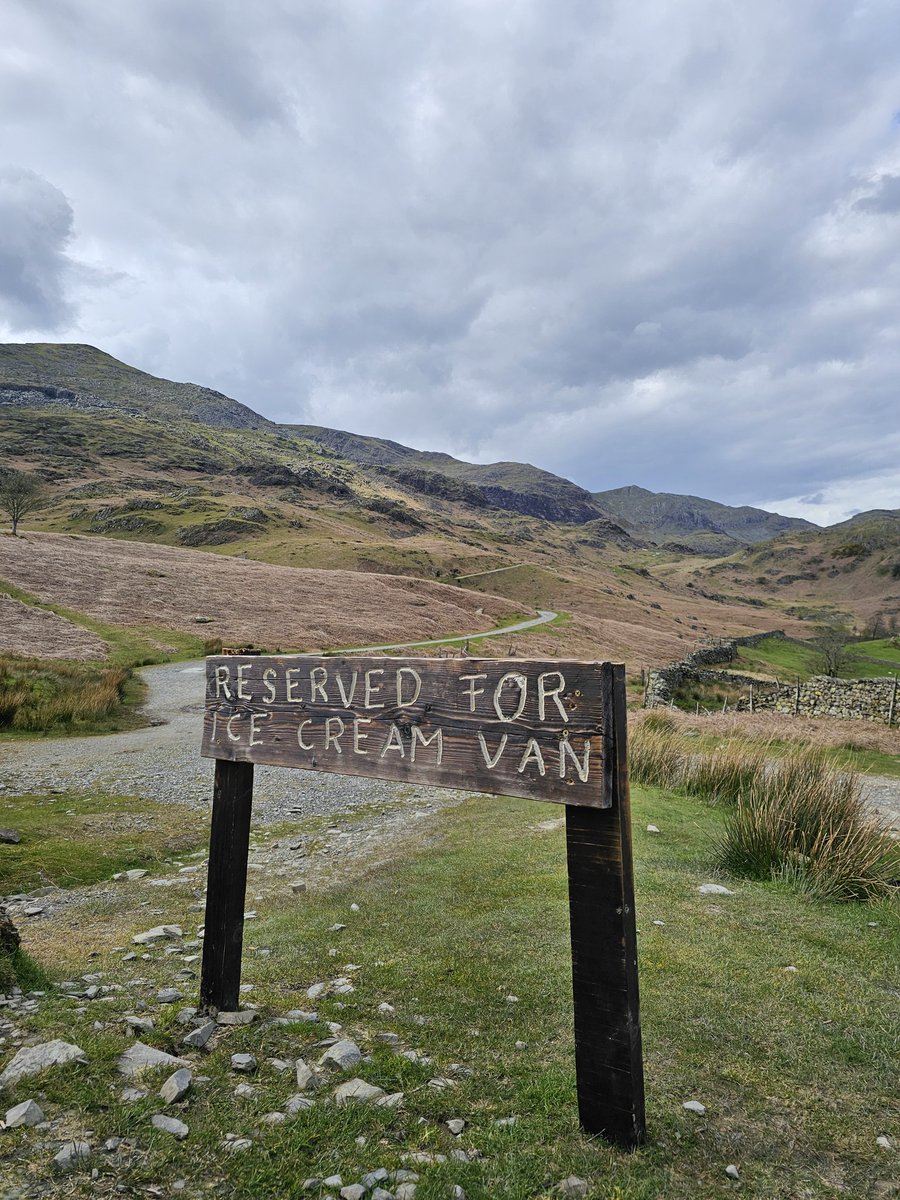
{"x": 885, "y": 199}
{"x": 619, "y": 241}
{"x": 36, "y": 223}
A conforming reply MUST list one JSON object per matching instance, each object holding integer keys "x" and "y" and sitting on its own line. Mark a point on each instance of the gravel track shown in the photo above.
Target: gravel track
{"x": 163, "y": 763}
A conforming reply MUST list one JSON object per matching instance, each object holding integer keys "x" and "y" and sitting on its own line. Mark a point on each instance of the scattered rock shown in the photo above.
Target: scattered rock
{"x": 307, "y": 1079}
{"x": 392, "y": 1100}
{"x": 650, "y": 829}
{"x": 342, "y": 1055}
{"x": 300, "y": 1014}
{"x": 72, "y": 1155}
{"x": 172, "y": 1125}
{"x": 457, "y": 1193}
{"x": 26, "y": 1113}
{"x": 405, "y": 1191}
{"x": 694, "y": 1106}
{"x": 131, "y": 1095}
{"x": 573, "y": 1188}
{"x": 353, "y": 1191}
{"x": 159, "y": 933}
{"x": 316, "y": 990}
{"x": 246, "y": 1064}
{"x": 370, "y": 1179}
{"x": 168, "y": 996}
{"x": 198, "y": 1038}
{"x": 274, "y": 1118}
{"x": 456, "y": 1125}
{"x": 245, "y": 1016}
{"x": 731, "y": 1171}
{"x": 176, "y": 1086}
{"x": 145, "y": 1058}
{"x": 714, "y": 889}
{"x": 386, "y": 1008}
{"x": 297, "y": 1104}
{"x": 882, "y": 1140}
{"x": 299, "y": 885}
{"x": 11, "y": 837}
{"x": 31, "y": 1060}
{"x": 239, "y": 1145}
{"x": 359, "y": 1091}
{"x": 244, "y": 1091}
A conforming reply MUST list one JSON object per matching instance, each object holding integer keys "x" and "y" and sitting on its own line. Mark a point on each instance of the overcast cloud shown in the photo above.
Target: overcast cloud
{"x": 652, "y": 243}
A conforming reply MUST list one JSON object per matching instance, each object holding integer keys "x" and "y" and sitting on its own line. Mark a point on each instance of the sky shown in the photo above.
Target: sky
{"x": 647, "y": 243}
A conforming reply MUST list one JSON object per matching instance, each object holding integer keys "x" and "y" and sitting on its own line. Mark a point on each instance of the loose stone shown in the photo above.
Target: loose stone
{"x": 405, "y": 1191}
{"x": 172, "y": 1125}
{"x": 176, "y": 1086}
{"x": 71, "y": 1155}
{"x": 456, "y": 1125}
{"x": 159, "y": 933}
{"x": 731, "y": 1171}
{"x": 246, "y": 1064}
{"x": 307, "y": 1079}
{"x": 372, "y": 1177}
{"x": 714, "y": 889}
{"x": 274, "y": 1118}
{"x": 169, "y": 996}
{"x": 198, "y": 1038}
{"x": 358, "y": 1091}
{"x": 244, "y": 1091}
{"x": 297, "y": 1104}
{"x": 694, "y": 1106}
{"x": 239, "y": 1145}
{"x": 31, "y": 1060}
{"x": 342, "y": 1055}
{"x": 353, "y": 1191}
{"x": 573, "y": 1188}
{"x": 26, "y": 1113}
{"x": 246, "y": 1016}
{"x": 143, "y": 1058}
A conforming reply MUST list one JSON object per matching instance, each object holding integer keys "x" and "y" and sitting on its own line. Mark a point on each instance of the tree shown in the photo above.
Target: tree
{"x": 20, "y": 494}
{"x": 830, "y": 643}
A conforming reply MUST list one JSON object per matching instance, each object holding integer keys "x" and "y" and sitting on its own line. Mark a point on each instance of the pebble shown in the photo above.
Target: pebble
{"x": 176, "y": 1086}
{"x": 333, "y": 1181}
{"x": 353, "y": 1191}
{"x": 316, "y": 990}
{"x": 26, "y": 1113}
{"x": 457, "y": 1192}
{"x": 714, "y": 889}
{"x": 141, "y": 1058}
{"x": 246, "y": 1064}
{"x": 168, "y": 996}
{"x": 456, "y": 1125}
{"x": 731, "y": 1171}
{"x": 307, "y": 1079}
{"x": 650, "y": 829}
{"x": 342, "y": 1055}
{"x": 131, "y": 1095}
{"x": 370, "y": 1179}
{"x": 299, "y": 885}
{"x": 71, "y": 1155}
{"x": 245, "y": 1016}
{"x": 359, "y": 1091}
{"x": 274, "y": 1118}
{"x": 297, "y": 1104}
{"x": 573, "y": 1188}
{"x": 198, "y": 1038}
{"x": 158, "y": 933}
{"x": 694, "y": 1106}
{"x": 882, "y": 1140}
{"x": 172, "y": 1125}
{"x": 239, "y": 1145}
{"x": 405, "y": 1191}
{"x": 244, "y": 1091}
{"x": 300, "y": 1014}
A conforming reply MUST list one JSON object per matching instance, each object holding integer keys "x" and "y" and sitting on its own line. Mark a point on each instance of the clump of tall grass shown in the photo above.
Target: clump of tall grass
{"x": 659, "y": 758}
{"x": 804, "y": 822}
{"x": 36, "y": 695}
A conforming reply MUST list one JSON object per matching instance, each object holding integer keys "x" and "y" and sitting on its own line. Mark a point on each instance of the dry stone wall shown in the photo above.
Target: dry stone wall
{"x": 822, "y": 696}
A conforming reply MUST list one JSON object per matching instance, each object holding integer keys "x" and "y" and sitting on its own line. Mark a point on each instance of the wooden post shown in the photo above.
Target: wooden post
{"x": 226, "y": 886}
{"x": 608, "y": 1058}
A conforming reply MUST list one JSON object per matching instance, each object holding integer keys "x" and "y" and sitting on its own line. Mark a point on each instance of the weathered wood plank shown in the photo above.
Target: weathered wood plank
{"x": 608, "y": 1054}
{"x": 500, "y": 726}
{"x": 226, "y": 884}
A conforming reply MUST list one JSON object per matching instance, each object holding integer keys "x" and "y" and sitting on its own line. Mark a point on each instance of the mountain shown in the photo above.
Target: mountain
{"x": 703, "y": 525}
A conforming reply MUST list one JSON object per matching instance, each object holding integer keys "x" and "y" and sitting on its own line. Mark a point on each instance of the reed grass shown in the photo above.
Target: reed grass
{"x": 38, "y": 695}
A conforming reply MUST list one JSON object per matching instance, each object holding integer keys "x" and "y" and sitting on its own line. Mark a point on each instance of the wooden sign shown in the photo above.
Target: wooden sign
{"x": 546, "y": 730}
{"x": 510, "y": 728}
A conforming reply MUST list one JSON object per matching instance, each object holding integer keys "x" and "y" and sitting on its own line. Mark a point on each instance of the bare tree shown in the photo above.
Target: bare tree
{"x": 831, "y": 646}
{"x": 20, "y": 494}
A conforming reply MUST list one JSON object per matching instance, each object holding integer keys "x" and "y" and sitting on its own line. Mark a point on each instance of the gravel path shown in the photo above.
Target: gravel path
{"x": 163, "y": 762}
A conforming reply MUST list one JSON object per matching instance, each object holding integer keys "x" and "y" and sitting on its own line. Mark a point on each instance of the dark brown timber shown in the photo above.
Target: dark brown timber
{"x": 226, "y": 886}
{"x": 608, "y": 1058}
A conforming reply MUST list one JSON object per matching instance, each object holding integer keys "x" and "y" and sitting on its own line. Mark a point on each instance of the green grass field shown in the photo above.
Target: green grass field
{"x": 796, "y": 1068}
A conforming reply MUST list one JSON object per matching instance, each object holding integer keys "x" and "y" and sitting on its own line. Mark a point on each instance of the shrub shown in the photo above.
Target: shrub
{"x": 36, "y": 695}
{"x": 804, "y": 822}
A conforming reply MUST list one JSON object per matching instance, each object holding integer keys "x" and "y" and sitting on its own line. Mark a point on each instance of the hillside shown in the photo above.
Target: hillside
{"x": 702, "y": 525}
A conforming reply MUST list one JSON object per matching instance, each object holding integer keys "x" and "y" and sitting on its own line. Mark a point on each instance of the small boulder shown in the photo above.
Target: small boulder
{"x": 357, "y": 1091}
{"x": 573, "y": 1188}
{"x": 341, "y": 1056}
{"x": 245, "y": 1064}
{"x": 245, "y": 1016}
{"x": 176, "y": 1086}
{"x": 198, "y": 1037}
{"x": 694, "y": 1106}
{"x": 353, "y": 1191}
{"x": 172, "y": 1125}
{"x": 307, "y": 1079}
{"x": 297, "y": 1104}
{"x": 146, "y": 1058}
{"x": 31, "y": 1060}
{"x": 159, "y": 933}
{"x": 26, "y": 1113}
{"x": 10, "y": 837}
{"x": 714, "y": 889}
{"x": 72, "y": 1155}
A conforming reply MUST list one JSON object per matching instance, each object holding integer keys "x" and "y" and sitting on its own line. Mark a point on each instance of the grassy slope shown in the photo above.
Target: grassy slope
{"x": 796, "y": 1069}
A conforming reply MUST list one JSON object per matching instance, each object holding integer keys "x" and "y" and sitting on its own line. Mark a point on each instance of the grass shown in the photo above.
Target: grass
{"x": 796, "y": 1069}
{"x": 81, "y": 838}
{"x": 787, "y": 658}
{"x": 37, "y": 695}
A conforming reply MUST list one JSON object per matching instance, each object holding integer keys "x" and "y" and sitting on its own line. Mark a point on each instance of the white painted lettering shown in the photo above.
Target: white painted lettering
{"x": 486, "y": 754}
{"x": 372, "y": 689}
{"x": 223, "y": 678}
{"x": 234, "y": 737}
{"x": 533, "y": 754}
{"x": 255, "y": 719}
{"x": 334, "y": 738}
{"x": 318, "y": 677}
{"x": 241, "y": 672}
{"x": 583, "y": 768}
{"x": 300, "y": 742}
{"x": 417, "y": 733}
{"x": 394, "y": 742}
{"x": 215, "y": 722}
{"x": 511, "y": 679}
{"x": 267, "y": 676}
{"x": 292, "y": 686}
{"x": 417, "y": 683}
{"x": 358, "y": 736}
{"x": 346, "y": 699}
{"x": 546, "y": 693}
{"x": 474, "y": 691}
